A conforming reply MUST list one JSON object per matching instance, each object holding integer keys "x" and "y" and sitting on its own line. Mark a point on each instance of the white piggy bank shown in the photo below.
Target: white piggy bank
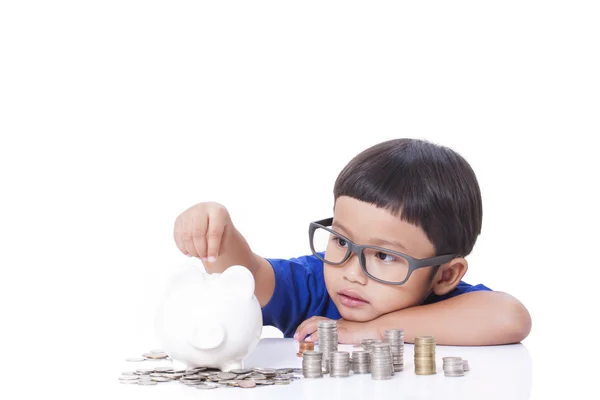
{"x": 209, "y": 320}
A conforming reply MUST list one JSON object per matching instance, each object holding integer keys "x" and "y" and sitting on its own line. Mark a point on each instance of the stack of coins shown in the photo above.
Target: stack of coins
{"x": 340, "y": 364}
{"x": 361, "y": 362}
{"x": 395, "y": 337}
{"x": 466, "y": 365}
{"x": 304, "y": 346}
{"x": 312, "y": 364}
{"x": 367, "y": 344}
{"x": 425, "y": 355}
{"x": 328, "y": 340}
{"x": 453, "y": 366}
{"x": 381, "y": 361}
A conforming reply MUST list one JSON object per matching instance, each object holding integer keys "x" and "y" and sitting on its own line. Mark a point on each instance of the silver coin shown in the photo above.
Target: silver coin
{"x": 247, "y": 384}
{"x": 128, "y": 378}
{"x": 206, "y": 386}
{"x": 128, "y": 373}
{"x": 159, "y": 379}
{"x": 146, "y": 383}
{"x": 163, "y": 369}
{"x": 241, "y": 371}
{"x": 144, "y": 371}
{"x": 154, "y": 356}
{"x": 226, "y": 375}
{"x": 135, "y": 359}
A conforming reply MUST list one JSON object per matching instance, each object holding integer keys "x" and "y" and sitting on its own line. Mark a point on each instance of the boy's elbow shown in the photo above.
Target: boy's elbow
{"x": 518, "y": 321}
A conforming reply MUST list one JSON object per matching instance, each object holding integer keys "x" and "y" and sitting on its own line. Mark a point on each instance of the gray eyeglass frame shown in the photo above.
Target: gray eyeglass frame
{"x": 358, "y": 249}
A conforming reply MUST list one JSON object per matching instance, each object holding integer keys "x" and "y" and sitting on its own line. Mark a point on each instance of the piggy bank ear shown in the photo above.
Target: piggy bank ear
{"x": 238, "y": 281}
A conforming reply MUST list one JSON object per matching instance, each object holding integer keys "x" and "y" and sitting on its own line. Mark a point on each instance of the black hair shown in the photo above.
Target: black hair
{"x": 425, "y": 184}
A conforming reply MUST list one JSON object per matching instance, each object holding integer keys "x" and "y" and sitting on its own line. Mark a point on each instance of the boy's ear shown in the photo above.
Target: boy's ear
{"x": 449, "y": 275}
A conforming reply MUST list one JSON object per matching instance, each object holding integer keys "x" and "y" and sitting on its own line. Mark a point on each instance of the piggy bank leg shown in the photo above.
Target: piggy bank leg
{"x": 228, "y": 366}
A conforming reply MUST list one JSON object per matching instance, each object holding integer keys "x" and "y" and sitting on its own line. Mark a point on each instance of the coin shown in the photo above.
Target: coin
{"x": 340, "y": 364}
{"x": 135, "y": 359}
{"x": 129, "y": 381}
{"x": 226, "y": 375}
{"x": 361, "y": 362}
{"x": 241, "y": 371}
{"x": 206, "y": 386}
{"x": 129, "y": 377}
{"x": 155, "y": 355}
{"x": 247, "y": 384}
{"x": 312, "y": 364}
{"x": 453, "y": 366}
{"x": 424, "y": 355}
{"x": 395, "y": 337}
{"x": 328, "y": 341}
{"x": 146, "y": 383}
{"x": 466, "y": 365}
{"x": 381, "y": 361}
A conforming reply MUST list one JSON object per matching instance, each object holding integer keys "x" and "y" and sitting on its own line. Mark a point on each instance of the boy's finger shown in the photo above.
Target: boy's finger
{"x": 313, "y": 338}
{"x": 301, "y": 327}
{"x": 198, "y": 229}
{"x": 177, "y": 235}
{"x": 186, "y": 237}
{"x": 214, "y": 237}
{"x": 306, "y": 328}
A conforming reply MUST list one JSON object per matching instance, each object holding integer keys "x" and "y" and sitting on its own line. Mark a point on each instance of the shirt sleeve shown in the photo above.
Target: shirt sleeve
{"x": 299, "y": 293}
{"x": 461, "y": 288}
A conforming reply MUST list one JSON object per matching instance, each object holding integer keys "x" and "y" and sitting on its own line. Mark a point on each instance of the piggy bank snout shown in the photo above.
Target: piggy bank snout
{"x": 207, "y": 337}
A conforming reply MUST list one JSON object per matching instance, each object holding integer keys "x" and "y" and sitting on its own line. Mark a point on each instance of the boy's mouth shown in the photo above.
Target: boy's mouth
{"x": 350, "y": 298}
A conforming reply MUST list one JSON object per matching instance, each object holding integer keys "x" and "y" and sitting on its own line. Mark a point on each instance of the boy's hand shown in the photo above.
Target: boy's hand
{"x": 203, "y": 230}
{"x": 349, "y": 332}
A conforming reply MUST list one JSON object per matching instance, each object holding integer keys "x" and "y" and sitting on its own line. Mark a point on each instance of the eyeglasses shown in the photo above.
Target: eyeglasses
{"x": 380, "y": 264}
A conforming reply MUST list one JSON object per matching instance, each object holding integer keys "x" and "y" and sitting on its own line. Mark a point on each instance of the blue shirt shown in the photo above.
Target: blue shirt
{"x": 300, "y": 293}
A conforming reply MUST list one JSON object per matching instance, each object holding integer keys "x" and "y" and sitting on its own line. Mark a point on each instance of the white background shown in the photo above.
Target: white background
{"x": 116, "y": 116}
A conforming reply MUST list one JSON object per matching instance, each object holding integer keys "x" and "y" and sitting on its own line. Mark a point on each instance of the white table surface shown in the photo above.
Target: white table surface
{"x": 497, "y": 372}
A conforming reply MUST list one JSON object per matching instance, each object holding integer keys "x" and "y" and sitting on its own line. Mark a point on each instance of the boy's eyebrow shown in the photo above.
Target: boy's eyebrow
{"x": 381, "y": 241}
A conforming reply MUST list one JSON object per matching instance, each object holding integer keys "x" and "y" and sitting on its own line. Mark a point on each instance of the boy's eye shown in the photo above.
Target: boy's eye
{"x": 341, "y": 242}
{"x": 383, "y": 256}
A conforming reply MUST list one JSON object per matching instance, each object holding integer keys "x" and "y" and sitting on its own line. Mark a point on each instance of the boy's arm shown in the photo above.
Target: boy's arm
{"x": 471, "y": 319}
{"x": 238, "y": 252}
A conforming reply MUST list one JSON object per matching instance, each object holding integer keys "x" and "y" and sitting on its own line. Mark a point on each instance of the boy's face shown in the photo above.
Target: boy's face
{"x": 363, "y": 223}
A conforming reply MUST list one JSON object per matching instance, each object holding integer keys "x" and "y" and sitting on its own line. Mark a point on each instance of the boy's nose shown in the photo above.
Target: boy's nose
{"x": 353, "y": 272}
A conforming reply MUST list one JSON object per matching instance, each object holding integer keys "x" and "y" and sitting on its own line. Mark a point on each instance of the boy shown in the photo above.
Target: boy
{"x": 406, "y": 214}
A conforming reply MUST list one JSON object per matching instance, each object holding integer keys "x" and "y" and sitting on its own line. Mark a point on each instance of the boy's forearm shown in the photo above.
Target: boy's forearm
{"x": 238, "y": 252}
{"x": 471, "y": 319}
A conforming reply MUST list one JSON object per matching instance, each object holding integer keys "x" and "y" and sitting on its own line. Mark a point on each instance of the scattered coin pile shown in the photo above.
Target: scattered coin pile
{"x": 340, "y": 364}
{"x": 453, "y": 366}
{"x": 425, "y": 355}
{"x": 328, "y": 341}
{"x": 395, "y": 337}
{"x": 207, "y": 378}
{"x": 361, "y": 362}
{"x": 381, "y": 361}
{"x": 312, "y": 364}
{"x": 304, "y": 346}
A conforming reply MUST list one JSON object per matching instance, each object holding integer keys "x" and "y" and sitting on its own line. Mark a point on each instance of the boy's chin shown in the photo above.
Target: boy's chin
{"x": 356, "y": 315}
